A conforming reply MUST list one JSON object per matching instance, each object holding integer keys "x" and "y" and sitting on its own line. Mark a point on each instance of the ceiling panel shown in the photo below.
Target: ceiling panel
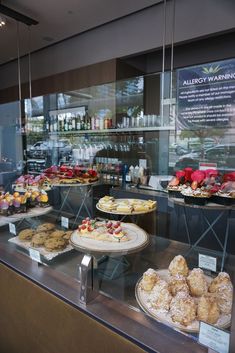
{"x": 59, "y": 20}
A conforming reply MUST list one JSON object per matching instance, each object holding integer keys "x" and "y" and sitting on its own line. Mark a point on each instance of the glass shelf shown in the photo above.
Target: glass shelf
{"x": 131, "y": 129}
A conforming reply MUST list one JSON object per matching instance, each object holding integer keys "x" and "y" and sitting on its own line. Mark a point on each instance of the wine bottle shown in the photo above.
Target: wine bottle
{"x": 73, "y": 123}
{"x": 78, "y": 122}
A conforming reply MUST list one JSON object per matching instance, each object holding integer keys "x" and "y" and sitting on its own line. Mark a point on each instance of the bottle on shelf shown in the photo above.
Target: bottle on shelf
{"x": 47, "y": 126}
{"x": 78, "y": 123}
{"x": 82, "y": 123}
{"x": 97, "y": 122}
{"x": 66, "y": 125}
{"x": 101, "y": 123}
{"x": 73, "y": 123}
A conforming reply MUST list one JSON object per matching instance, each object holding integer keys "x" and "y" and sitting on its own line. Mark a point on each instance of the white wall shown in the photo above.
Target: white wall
{"x": 136, "y": 33}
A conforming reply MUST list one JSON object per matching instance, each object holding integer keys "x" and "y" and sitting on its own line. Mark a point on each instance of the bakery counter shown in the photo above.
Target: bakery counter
{"x": 45, "y": 299}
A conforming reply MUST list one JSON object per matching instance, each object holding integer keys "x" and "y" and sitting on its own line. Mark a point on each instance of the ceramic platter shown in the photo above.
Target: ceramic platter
{"x": 142, "y": 298}
{"x": 125, "y": 213}
{"x": 138, "y": 239}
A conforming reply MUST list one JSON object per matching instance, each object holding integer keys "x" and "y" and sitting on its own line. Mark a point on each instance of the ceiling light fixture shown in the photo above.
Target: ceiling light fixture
{"x": 17, "y": 15}
{"x": 2, "y": 21}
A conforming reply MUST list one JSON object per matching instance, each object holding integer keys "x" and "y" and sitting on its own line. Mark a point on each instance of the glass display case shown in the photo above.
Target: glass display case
{"x": 141, "y": 203}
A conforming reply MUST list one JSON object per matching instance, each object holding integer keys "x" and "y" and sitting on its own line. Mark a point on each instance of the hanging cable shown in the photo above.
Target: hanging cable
{"x": 19, "y": 72}
{"x": 163, "y": 61}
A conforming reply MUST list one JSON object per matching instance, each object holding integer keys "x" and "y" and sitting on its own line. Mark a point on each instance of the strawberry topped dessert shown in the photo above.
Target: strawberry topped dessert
{"x": 66, "y": 174}
{"x": 111, "y": 231}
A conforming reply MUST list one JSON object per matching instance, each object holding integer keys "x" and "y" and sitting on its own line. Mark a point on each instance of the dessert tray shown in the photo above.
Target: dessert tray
{"x": 135, "y": 239}
{"x": 111, "y": 205}
{"x": 37, "y": 239}
{"x": 143, "y": 299}
{"x": 42, "y": 251}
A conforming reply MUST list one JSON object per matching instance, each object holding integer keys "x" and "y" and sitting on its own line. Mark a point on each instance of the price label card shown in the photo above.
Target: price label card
{"x": 143, "y": 163}
{"x": 214, "y": 338}
{"x": 35, "y": 255}
{"x": 64, "y": 222}
{"x": 207, "y": 262}
{"x": 12, "y": 228}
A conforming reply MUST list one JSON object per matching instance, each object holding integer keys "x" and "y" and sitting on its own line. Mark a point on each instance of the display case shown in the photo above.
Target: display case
{"x": 136, "y": 211}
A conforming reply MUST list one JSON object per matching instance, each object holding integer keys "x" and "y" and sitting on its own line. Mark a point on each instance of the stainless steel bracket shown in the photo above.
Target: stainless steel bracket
{"x": 88, "y": 277}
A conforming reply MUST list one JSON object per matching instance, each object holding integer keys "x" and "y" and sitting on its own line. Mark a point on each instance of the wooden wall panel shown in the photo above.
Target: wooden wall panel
{"x": 34, "y": 320}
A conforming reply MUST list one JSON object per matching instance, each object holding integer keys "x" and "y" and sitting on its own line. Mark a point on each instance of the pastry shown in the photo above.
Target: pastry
{"x": 208, "y": 309}
{"x": 224, "y": 296}
{"x": 111, "y": 231}
{"x": 178, "y": 284}
{"x": 150, "y": 278}
{"x": 58, "y": 234}
{"x": 197, "y": 282}
{"x": 123, "y": 207}
{"x": 222, "y": 279}
{"x": 183, "y": 309}
{"x": 26, "y": 234}
{"x": 160, "y": 297}
{"x": 45, "y": 227}
{"x": 222, "y": 287}
{"x": 39, "y": 239}
{"x": 54, "y": 244}
{"x": 178, "y": 266}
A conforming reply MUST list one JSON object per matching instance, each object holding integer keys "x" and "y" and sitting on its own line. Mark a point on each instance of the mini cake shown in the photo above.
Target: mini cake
{"x": 178, "y": 266}
{"x": 208, "y": 309}
{"x": 178, "y": 284}
{"x": 150, "y": 278}
{"x": 183, "y": 309}
{"x": 124, "y": 207}
{"x": 197, "y": 282}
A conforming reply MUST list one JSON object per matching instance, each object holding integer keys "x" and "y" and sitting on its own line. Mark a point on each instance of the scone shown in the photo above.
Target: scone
{"x": 39, "y": 239}
{"x": 53, "y": 244}
{"x": 208, "y": 309}
{"x": 45, "y": 227}
{"x": 26, "y": 234}
{"x": 150, "y": 278}
{"x": 160, "y": 297}
{"x": 58, "y": 234}
{"x": 178, "y": 266}
{"x": 222, "y": 287}
{"x": 197, "y": 282}
{"x": 178, "y": 284}
{"x": 183, "y": 309}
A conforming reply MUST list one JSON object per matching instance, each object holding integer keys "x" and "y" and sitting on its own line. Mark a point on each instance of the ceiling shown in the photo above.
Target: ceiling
{"x": 58, "y": 20}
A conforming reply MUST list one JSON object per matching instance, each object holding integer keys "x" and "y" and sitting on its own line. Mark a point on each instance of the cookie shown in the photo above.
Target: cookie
{"x": 39, "y": 239}
{"x": 45, "y": 227}
{"x": 53, "y": 244}
{"x": 67, "y": 235}
{"x": 26, "y": 234}
{"x": 57, "y": 234}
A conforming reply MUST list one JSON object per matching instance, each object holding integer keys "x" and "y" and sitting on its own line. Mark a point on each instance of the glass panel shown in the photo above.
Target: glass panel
{"x": 116, "y": 130}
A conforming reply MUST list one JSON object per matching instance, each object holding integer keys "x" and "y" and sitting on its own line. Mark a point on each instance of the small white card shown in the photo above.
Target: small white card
{"x": 35, "y": 255}
{"x": 214, "y": 338}
{"x": 143, "y": 163}
{"x": 207, "y": 262}
{"x": 12, "y": 228}
{"x": 64, "y": 222}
